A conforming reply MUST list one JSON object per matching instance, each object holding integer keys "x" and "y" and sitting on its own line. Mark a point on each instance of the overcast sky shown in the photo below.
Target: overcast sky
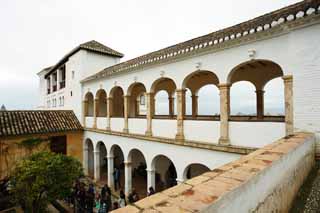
{"x": 35, "y": 34}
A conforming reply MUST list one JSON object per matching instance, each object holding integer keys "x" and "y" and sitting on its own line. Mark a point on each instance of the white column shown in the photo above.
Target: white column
{"x": 96, "y": 165}
{"x": 126, "y": 113}
{"x": 85, "y": 160}
{"x": 128, "y": 177}
{"x": 151, "y": 176}
{"x": 180, "y": 179}
{"x": 58, "y": 79}
{"x": 224, "y": 114}
{"x": 110, "y": 171}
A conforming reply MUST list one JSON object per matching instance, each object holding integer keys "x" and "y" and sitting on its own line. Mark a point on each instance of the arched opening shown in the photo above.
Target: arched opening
{"x": 103, "y": 161}
{"x": 89, "y": 158}
{"x": 164, "y": 89}
{"x": 165, "y": 173}
{"x": 243, "y": 99}
{"x": 137, "y": 100}
{"x": 118, "y": 164}
{"x": 116, "y": 95}
{"x": 274, "y": 98}
{"x": 188, "y": 103}
{"x": 89, "y": 106}
{"x": 194, "y": 170}
{"x": 139, "y": 172}
{"x": 259, "y": 73}
{"x": 205, "y": 99}
{"x": 101, "y": 96}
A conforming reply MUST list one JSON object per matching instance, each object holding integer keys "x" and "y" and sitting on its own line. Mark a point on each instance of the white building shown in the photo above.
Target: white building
{"x": 116, "y": 101}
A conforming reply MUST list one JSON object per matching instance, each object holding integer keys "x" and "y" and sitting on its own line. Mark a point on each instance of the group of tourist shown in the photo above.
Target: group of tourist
{"x": 86, "y": 200}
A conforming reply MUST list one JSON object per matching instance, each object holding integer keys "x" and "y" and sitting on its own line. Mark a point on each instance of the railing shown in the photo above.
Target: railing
{"x": 102, "y": 122}
{"x": 205, "y": 131}
{"x": 117, "y": 124}
{"x": 164, "y": 128}
{"x": 137, "y": 126}
{"x": 89, "y": 122}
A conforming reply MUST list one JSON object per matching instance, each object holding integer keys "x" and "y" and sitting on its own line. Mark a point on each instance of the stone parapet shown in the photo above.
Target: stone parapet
{"x": 264, "y": 180}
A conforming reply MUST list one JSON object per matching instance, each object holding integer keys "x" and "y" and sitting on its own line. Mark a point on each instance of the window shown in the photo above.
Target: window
{"x": 142, "y": 100}
{"x": 72, "y": 74}
{"x": 70, "y": 93}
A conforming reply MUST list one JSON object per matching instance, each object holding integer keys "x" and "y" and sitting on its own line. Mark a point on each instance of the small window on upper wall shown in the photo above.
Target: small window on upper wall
{"x": 72, "y": 73}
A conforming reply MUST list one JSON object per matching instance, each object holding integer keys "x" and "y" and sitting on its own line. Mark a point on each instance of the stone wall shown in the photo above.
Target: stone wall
{"x": 266, "y": 180}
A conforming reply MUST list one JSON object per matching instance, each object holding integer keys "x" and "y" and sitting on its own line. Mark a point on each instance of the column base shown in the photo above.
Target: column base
{"x": 108, "y": 129}
{"x": 179, "y": 137}
{"x": 125, "y": 130}
{"x": 94, "y": 126}
{"x": 148, "y": 133}
{"x": 224, "y": 141}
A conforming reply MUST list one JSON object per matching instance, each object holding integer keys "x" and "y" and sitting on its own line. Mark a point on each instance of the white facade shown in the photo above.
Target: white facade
{"x": 294, "y": 48}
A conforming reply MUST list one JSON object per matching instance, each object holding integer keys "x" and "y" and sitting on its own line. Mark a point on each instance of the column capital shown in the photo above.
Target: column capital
{"x": 109, "y": 98}
{"x": 181, "y": 90}
{"x": 260, "y": 91}
{"x": 287, "y": 78}
{"x": 96, "y": 99}
{"x": 85, "y": 101}
{"x": 126, "y": 96}
{"x": 96, "y": 152}
{"x": 110, "y": 157}
{"x": 127, "y": 163}
{"x": 224, "y": 86}
{"x": 150, "y": 170}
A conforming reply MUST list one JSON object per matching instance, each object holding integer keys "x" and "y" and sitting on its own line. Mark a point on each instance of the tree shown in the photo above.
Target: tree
{"x": 42, "y": 178}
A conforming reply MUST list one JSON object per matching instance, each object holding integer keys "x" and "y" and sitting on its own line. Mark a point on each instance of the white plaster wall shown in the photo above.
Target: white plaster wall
{"x": 164, "y": 128}
{"x": 255, "y": 134}
{"x": 204, "y": 131}
{"x": 89, "y": 122}
{"x": 179, "y": 155}
{"x": 102, "y": 123}
{"x": 275, "y": 196}
{"x": 137, "y": 126}
{"x": 117, "y": 124}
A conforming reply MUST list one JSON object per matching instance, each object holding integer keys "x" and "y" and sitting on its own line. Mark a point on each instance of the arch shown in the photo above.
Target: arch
{"x": 274, "y": 98}
{"x": 137, "y": 102}
{"x": 166, "y": 173}
{"x": 208, "y": 101}
{"x": 101, "y": 96}
{"x": 118, "y": 163}
{"x": 169, "y": 86}
{"x": 194, "y": 169}
{"x": 139, "y": 172}
{"x": 163, "y": 83}
{"x": 89, "y": 157}
{"x": 259, "y": 72}
{"x": 89, "y": 106}
{"x": 198, "y": 79}
{"x": 243, "y": 99}
{"x": 103, "y": 161}
{"x": 116, "y": 94}
{"x": 162, "y": 103}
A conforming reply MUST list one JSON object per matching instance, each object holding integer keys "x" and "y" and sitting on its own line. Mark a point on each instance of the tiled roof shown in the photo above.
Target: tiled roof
{"x": 92, "y": 46}
{"x": 216, "y": 39}
{"x": 98, "y": 47}
{"x": 15, "y": 123}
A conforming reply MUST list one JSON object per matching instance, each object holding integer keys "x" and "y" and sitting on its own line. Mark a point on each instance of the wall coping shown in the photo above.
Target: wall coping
{"x": 198, "y": 193}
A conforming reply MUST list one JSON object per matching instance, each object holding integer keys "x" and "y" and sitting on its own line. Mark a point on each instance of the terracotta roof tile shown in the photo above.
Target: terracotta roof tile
{"x": 14, "y": 123}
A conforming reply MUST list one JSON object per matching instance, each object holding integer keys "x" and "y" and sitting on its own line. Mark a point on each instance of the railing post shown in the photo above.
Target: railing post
{"x": 288, "y": 95}
{"x": 150, "y": 112}
{"x": 224, "y": 114}
{"x": 181, "y": 98}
